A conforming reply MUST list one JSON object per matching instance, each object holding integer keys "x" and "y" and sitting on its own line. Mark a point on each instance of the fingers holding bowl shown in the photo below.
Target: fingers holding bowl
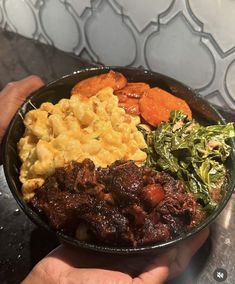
{"x": 12, "y": 96}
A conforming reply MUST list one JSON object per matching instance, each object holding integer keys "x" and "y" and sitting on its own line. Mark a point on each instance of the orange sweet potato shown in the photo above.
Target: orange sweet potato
{"x": 129, "y": 96}
{"x": 131, "y": 105}
{"x": 90, "y": 86}
{"x": 156, "y": 105}
{"x": 133, "y": 90}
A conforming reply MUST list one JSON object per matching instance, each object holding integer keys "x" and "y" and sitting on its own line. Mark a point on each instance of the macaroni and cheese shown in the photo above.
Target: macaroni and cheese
{"x": 75, "y": 129}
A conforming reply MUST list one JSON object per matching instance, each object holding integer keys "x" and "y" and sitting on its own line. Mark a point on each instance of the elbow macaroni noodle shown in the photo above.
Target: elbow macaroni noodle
{"x": 75, "y": 129}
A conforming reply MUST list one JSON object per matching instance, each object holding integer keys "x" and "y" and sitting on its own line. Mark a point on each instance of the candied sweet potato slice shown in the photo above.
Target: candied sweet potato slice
{"x": 133, "y": 90}
{"x": 90, "y": 86}
{"x": 129, "y": 96}
{"x": 157, "y": 104}
{"x": 130, "y": 105}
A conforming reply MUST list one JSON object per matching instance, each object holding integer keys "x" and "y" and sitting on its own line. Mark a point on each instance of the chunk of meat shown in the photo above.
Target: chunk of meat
{"x": 61, "y": 208}
{"x": 199, "y": 215}
{"x": 86, "y": 176}
{"x": 177, "y": 210}
{"x": 157, "y": 104}
{"x": 126, "y": 183}
{"x": 135, "y": 213}
{"x": 175, "y": 224}
{"x": 153, "y": 194}
{"x": 75, "y": 176}
{"x": 119, "y": 205}
{"x": 90, "y": 86}
{"x": 172, "y": 204}
{"x": 107, "y": 225}
{"x": 150, "y": 232}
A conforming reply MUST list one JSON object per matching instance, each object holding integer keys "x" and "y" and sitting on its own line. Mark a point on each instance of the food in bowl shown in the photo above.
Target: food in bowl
{"x": 76, "y": 129}
{"x": 122, "y": 204}
{"x": 193, "y": 153}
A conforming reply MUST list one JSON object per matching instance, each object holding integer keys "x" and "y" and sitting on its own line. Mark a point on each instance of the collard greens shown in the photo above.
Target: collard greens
{"x": 191, "y": 152}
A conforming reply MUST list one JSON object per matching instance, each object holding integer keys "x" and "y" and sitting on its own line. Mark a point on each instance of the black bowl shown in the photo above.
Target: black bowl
{"x": 53, "y": 92}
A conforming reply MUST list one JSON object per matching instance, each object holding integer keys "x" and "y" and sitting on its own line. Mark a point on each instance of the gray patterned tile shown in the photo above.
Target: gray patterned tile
{"x": 218, "y": 85}
{"x": 109, "y": 37}
{"x": 144, "y": 12}
{"x": 60, "y": 25}
{"x": 217, "y": 18}
{"x": 229, "y": 80}
{"x": 175, "y": 49}
{"x": 79, "y": 6}
{"x": 180, "y": 6}
{"x": 7, "y": 24}
{"x": 160, "y": 35}
{"x": 14, "y": 11}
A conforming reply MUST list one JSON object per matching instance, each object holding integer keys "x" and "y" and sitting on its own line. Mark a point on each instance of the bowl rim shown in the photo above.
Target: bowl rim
{"x": 35, "y": 218}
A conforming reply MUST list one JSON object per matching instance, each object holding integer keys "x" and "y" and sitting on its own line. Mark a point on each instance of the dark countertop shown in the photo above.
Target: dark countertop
{"x": 22, "y": 244}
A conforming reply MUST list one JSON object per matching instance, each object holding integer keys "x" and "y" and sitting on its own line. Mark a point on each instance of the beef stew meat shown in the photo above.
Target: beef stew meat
{"x": 122, "y": 204}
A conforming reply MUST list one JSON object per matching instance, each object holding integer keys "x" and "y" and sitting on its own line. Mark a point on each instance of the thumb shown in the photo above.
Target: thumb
{"x": 13, "y": 95}
{"x": 18, "y": 91}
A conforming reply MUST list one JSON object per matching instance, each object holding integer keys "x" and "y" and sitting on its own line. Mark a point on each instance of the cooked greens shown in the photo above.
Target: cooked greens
{"x": 191, "y": 152}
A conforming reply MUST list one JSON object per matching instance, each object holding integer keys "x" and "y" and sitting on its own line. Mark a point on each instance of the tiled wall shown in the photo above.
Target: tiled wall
{"x": 190, "y": 40}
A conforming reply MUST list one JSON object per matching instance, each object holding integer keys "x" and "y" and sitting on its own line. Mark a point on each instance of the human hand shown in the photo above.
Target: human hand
{"x": 68, "y": 265}
{"x": 12, "y": 96}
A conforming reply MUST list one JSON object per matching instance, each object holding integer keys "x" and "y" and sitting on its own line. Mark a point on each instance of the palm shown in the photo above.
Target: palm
{"x": 97, "y": 268}
{"x": 68, "y": 265}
